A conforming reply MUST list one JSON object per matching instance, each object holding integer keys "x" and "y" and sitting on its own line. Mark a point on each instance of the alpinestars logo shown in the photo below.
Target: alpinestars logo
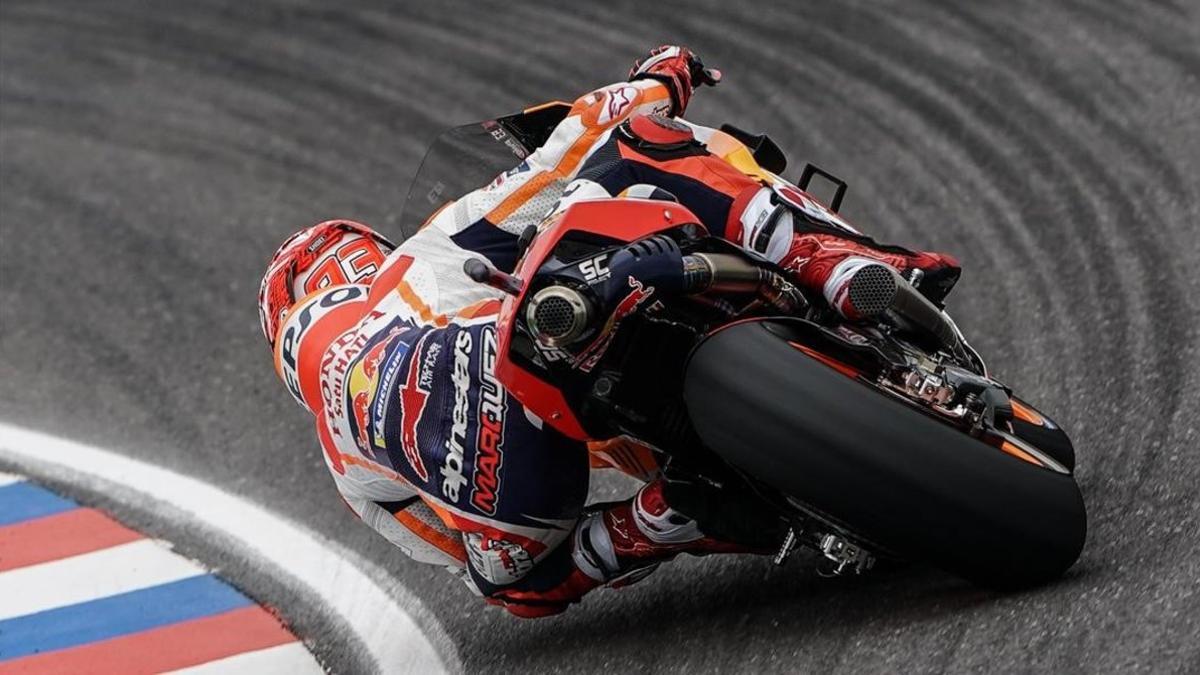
{"x": 488, "y": 453}
{"x": 414, "y": 393}
{"x": 452, "y": 465}
{"x": 617, "y": 103}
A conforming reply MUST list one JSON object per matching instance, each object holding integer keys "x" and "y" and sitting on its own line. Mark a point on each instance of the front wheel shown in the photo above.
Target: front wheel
{"x": 900, "y": 478}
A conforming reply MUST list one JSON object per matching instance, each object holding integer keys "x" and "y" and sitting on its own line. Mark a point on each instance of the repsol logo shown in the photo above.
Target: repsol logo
{"x": 297, "y": 326}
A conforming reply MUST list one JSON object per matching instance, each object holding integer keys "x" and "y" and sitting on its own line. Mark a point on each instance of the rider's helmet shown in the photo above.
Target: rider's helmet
{"x": 314, "y": 290}
{"x": 331, "y": 253}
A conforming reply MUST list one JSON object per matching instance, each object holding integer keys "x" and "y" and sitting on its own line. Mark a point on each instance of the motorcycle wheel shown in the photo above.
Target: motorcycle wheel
{"x": 1037, "y": 428}
{"x": 897, "y": 477}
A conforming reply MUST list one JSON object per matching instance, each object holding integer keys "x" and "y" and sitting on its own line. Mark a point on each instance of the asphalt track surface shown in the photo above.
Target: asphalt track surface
{"x": 153, "y": 156}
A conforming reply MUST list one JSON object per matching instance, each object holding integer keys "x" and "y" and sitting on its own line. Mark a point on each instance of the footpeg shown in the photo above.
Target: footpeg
{"x": 843, "y": 557}
{"x": 790, "y": 541}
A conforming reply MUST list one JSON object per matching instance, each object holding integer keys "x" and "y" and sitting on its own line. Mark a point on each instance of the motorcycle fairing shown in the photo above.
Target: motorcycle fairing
{"x": 619, "y": 221}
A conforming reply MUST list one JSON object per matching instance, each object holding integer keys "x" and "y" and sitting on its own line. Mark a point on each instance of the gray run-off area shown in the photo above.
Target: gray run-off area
{"x": 153, "y": 156}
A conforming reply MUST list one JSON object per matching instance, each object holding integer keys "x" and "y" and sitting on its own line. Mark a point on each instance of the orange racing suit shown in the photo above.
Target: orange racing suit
{"x": 428, "y": 449}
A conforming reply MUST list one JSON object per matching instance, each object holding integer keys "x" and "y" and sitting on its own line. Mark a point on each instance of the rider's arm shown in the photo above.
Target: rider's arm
{"x": 487, "y": 221}
{"x": 522, "y": 195}
{"x": 659, "y": 84}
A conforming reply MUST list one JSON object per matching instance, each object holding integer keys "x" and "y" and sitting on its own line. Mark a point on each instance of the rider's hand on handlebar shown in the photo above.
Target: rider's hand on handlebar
{"x": 677, "y": 68}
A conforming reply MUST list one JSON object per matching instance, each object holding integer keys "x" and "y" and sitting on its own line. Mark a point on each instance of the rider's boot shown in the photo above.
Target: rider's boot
{"x": 865, "y": 289}
{"x": 847, "y": 272}
{"x": 616, "y": 542}
{"x": 620, "y": 543}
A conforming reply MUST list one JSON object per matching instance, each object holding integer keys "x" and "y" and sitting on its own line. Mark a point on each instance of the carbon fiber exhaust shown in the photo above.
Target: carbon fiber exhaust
{"x": 879, "y": 290}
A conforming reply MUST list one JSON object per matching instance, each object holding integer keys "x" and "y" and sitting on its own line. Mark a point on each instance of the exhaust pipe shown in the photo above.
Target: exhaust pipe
{"x": 878, "y": 290}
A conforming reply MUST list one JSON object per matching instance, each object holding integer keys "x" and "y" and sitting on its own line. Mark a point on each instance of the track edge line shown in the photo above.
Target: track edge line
{"x": 356, "y": 590}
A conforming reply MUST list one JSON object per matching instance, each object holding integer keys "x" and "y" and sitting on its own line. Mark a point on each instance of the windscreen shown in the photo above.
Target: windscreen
{"x": 460, "y": 160}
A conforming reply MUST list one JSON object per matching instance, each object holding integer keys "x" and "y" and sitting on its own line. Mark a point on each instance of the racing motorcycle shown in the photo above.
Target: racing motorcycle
{"x": 873, "y": 440}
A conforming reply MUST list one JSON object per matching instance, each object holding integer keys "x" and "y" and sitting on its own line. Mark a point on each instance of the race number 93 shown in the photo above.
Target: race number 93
{"x": 351, "y": 263}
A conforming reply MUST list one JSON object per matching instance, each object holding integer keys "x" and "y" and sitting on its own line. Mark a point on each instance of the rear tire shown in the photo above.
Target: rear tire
{"x": 1048, "y": 438}
{"x": 902, "y": 479}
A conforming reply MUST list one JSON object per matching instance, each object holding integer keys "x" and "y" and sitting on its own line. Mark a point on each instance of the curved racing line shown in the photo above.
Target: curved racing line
{"x": 356, "y": 590}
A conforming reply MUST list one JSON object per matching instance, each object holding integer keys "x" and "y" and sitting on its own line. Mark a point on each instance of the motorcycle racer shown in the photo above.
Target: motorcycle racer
{"x": 427, "y": 448}
{"x": 393, "y": 350}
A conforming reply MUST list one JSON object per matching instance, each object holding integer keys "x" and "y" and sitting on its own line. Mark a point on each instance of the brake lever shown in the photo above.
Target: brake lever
{"x": 481, "y": 272}
{"x": 710, "y": 76}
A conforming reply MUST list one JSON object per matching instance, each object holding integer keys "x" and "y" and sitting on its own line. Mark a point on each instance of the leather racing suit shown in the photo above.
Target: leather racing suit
{"x": 424, "y": 444}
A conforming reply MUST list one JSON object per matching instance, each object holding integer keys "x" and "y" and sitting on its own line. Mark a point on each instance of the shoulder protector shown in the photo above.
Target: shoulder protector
{"x": 657, "y": 131}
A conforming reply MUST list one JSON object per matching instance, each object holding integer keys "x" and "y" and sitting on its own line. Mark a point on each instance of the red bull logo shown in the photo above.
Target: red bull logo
{"x": 591, "y": 355}
{"x": 362, "y": 390}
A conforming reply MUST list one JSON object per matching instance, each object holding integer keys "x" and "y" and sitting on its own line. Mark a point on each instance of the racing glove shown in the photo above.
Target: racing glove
{"x": 680, "y": 70}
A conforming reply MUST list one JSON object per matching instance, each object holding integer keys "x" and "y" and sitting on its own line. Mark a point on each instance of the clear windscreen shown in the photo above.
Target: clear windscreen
{"x": 458, "y": 161}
